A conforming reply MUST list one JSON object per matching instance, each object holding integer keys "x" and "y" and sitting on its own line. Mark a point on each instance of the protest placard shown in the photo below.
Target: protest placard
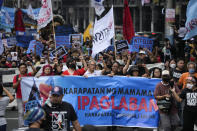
{"x": 14, "y": 56}
{"x": 104, "y": 100}
{"x": 59, "y": 52}
{"x": 76, "y": 39}
{"x": 62, "y": 41}
{"x": 63, "y": 30}
{"x": 121, "y": 45}
{"x": 11, "y": 41}
{"x": 39, "y": 47}
{"x": 140, "y": 42}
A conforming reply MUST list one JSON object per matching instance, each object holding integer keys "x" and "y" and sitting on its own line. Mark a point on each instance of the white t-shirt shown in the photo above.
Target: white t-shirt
{"x": 95, "y": 73}
{"x": 4, "y": 101}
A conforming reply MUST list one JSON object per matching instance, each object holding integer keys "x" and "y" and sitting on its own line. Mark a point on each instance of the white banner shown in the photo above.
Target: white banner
{"x": 45, "y": 14}
{"x": 103, "y": 33}
{"x": 30, "y": 12}
{"x": 98, "y": 5}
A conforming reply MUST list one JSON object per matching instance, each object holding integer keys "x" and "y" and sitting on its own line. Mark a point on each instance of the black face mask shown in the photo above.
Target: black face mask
{"x": 3, "y": 62}
{"x": 72, "y": 66}
{"x": 108, "y": 66}
{"x": 166, "y": 79}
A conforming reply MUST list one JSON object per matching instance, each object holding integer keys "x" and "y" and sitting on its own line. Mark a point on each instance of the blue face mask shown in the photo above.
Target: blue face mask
{"x": 191, "y": 71}
{"x": 9, "y": 58}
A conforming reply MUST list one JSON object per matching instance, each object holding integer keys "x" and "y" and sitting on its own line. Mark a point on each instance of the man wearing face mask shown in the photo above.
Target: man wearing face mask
{"x": 191, "y": 66}
{"x": 169, "y": 117}
{"x": 59, "y": 114}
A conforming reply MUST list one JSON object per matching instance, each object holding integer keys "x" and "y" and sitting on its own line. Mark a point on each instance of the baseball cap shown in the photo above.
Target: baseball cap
{"x": 142, "y": 52}
{"x": 165, "y": 72}
{"x": 57, "y": 91}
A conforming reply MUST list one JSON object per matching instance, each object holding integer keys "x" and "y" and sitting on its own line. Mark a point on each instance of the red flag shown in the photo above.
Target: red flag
{"x": 18, "y": 23}
{"x": 128, "y": 30}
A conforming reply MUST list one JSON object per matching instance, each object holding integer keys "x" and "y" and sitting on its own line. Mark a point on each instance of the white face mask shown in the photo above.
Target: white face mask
{"x": 189, "y": 86}
{"x": 172, "y": 65}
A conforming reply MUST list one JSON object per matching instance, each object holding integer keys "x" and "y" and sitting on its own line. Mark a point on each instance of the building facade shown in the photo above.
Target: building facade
{"x": 150, "y": 17}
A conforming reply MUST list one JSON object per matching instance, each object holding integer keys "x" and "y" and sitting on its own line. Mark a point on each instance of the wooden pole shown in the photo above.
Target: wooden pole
{"x": 53, "y": 25}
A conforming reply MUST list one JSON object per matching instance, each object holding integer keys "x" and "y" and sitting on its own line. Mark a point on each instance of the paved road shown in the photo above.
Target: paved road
{"x": 13, "y": 123}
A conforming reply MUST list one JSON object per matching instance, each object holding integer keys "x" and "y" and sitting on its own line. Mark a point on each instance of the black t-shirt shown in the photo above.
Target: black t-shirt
{"x": 176, "y": 74}
{"x": 58, "y": 117}
{"x": 190, "y": 97}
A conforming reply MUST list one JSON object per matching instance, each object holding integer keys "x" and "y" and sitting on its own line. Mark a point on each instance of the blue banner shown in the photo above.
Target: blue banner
{"x": 39, "y": 47}
{"x": 103, "y": 101}
{"x": 140, "y": 42}
{"x": 11, "y": 12}
{"x": 11, "y": 41}
{"x": 191, "y": 23}
{"x": 62, "y": 41}
{"x": 1, "y": 2}
{"x": 23, "y": 40}
{"x": 63, "y": 30}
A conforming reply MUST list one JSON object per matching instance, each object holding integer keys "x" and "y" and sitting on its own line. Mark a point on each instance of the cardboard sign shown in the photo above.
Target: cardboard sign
{"x": 14, "y": 56}
{"x": 39, "y": 47}
{"x": 140, "y": 42}
{"x": 59, "y": 52}
{"x": 76, "y": 39}
{"x": 121, "y": 45}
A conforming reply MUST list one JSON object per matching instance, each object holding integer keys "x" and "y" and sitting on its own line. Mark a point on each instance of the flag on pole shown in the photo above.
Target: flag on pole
{"x": 98, "y": 5}
{"x": 103, "y": 33}
{"x": 191, "y": 23}
{"x": 145, "y": 2}
{"x": 128, "y": 29}
{"x": 7, "y": 18}
{"x": 1, "y": 3}
{"x": 87, "y": 33}
{"x": 18, "y": 21}
{"x": 45, "y": 14}
{"x": 30, "y": 12}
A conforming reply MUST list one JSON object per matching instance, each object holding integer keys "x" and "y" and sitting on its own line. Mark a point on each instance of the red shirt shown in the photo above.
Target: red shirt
{"x": 18, "y": 93}
{"x": 78, "y": 72}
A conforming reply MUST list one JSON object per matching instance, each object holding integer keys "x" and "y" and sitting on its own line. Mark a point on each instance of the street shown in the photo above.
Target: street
{"x": 12, "y": 121}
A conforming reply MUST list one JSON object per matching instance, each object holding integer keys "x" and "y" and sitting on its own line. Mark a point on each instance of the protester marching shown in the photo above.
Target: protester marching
{"x": 63, "y": 79}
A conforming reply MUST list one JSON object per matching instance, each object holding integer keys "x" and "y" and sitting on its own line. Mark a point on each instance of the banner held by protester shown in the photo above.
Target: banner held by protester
{"x": 105, "y": 100}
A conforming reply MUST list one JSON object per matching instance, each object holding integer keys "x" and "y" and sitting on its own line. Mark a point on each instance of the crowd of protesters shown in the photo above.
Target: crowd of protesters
{"x": 179, "y": 64}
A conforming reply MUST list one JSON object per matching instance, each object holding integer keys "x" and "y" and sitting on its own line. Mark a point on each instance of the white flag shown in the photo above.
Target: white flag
{"x": 30, "y": 12}
{"x": 7, "y": 18}
{"x": 45, "y": 14}
{"x": 103, "y": 33}
{"x": 98, "y": 5}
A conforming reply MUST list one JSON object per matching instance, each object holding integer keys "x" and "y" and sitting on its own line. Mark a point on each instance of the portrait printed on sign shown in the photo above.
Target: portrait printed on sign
{"x": 76, "y": 39}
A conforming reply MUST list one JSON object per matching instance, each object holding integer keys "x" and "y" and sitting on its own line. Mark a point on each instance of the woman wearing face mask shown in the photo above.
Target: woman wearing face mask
{"x": 172, "y": 64}
{"x": 189, "y": 94}
{"x": 191, "y": 66}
